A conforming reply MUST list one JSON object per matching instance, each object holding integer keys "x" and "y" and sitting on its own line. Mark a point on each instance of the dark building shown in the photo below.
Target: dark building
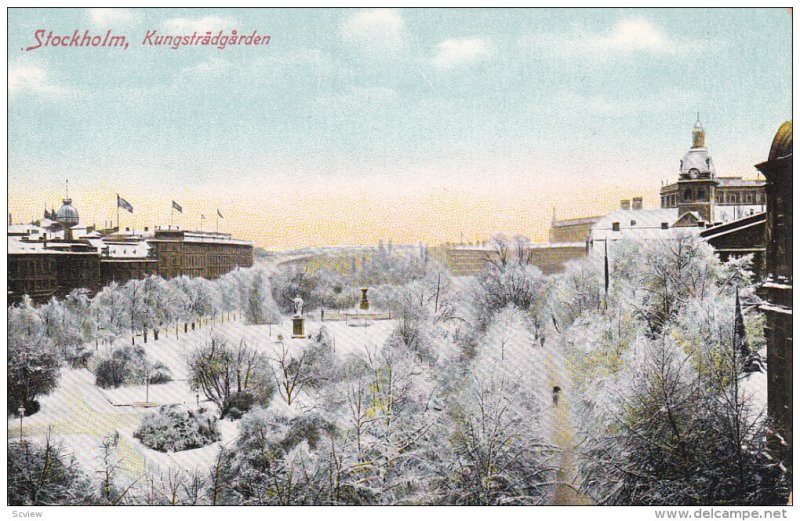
{"x": 53, "y": 259}
{"x": 78, "y": 269}
{"x": 778, "y": 309}
{"x": 198, "y": 254}
{"x": 738, "y": 238}
{"x": 32, "y": 273}
{"x": 44, "y": 269}
{"x": 123, "y": 270}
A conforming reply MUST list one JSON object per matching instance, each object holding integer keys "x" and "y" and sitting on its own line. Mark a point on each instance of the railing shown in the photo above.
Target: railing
{"x": 334, "y": 315}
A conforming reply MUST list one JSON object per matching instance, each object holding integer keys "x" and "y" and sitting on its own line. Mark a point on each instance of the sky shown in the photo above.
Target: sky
{"x": 355, "y": 125}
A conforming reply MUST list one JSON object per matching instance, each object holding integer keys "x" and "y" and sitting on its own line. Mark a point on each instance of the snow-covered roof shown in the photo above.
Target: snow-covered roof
{"x": 216, "y": 238}
{"x": 16, "y": 245}
{"x": 698, "y": 159}
{"x": 645, "y": 223}
{"x": 724, "y": 213}
{"x": 202, "y": 237}
{"x": 736, "y": 182}
{"x": 26, "y": 229}
{"x": 128, "y": 249}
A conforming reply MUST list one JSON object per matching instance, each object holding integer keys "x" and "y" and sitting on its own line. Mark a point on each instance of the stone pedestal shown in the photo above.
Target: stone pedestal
{"x": 298, "y": 327}
{"x": 364, "y": 304}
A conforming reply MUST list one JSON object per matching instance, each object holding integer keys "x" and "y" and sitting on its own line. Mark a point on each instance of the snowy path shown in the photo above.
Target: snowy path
{"x": 563, "y": 436}
{"x": 81, "y": 416}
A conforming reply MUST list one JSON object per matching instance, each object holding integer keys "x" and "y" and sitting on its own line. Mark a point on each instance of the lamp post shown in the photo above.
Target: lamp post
{"x": 146, "y": 381}
{"x": 21, "y": 412}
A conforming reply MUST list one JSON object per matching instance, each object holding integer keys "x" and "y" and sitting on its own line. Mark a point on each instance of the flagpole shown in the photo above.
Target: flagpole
{"x": 117, "y": 213}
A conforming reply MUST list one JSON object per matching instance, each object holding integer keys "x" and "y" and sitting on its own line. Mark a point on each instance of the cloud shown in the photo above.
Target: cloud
{"x": 377, "y": 29}
{"x": 632, "y": 35}
{"x": 200, "y": 25}
{"x": 104, "y": 17}
{"x": 32, "y": 78}
{"x": 625, "y": 38}
{"x": 460, "y": 51}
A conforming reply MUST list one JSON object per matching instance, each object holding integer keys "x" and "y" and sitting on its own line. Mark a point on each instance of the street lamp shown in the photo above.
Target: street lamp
{"x": 21, "y": 412}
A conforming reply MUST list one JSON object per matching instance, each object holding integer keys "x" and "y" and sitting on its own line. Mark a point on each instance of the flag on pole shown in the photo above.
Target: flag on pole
{"x": 219, "y": 214}
{"x": 122, "y": 203}
{"x": 177, "y": 206}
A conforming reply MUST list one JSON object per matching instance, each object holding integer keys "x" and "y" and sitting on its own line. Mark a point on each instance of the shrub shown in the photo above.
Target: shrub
{"x": 128, "y": 365}
{"x": 238, "y": 403}
{"x": 174, "y": 428}
{"x": 110, "y": 372}
{"x": 159, "y": 374}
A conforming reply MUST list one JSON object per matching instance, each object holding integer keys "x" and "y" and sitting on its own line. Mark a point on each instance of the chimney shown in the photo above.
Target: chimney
{"x": 625, "y": 204}
{"x": 637, "y": 203}
{"x": 147, "y": 228}
{"x": 615, "y": 226}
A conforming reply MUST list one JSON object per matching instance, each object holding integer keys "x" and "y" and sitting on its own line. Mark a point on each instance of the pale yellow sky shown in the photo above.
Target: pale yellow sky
{"x": 426, "y": 206}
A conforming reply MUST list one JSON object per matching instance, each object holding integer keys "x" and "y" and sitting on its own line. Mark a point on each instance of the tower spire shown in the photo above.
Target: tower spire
{"x": 698, "y": 134}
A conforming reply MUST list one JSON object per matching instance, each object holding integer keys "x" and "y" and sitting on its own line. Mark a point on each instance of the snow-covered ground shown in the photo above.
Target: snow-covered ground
{"x": 82, "y": 414}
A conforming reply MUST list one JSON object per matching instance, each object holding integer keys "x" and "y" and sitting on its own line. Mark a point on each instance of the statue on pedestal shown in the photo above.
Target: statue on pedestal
{"x": 298, "y": 322}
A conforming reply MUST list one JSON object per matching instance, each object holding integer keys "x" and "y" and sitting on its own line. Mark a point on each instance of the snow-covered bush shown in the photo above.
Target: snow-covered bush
{"x": 175, "y": 428}
{"x": 237, "y": 404}
{"x": 43, "y": 474}
{"x": 129, "y": 365}
{"x": 279, "y": 460}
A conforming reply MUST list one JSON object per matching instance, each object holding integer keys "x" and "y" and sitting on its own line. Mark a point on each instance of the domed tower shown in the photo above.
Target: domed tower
{"x": 697, "y": 178}
{"x": 67, "y": 216}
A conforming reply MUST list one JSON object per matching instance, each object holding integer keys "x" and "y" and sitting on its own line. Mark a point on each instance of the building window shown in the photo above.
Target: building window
{"x": 687, "y": 194}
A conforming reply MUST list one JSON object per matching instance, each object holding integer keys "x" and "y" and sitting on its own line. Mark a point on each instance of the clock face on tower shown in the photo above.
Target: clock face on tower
{"x": 694, "y": 173}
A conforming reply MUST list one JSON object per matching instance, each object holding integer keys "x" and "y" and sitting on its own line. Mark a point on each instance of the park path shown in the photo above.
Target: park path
{"x": 79, "y": 414}
{"x": 563, "y": 437}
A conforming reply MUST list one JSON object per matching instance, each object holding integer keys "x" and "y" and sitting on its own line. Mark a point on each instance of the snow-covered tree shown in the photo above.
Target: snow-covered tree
{"x": 44, "y": 474}
{"x": 223, "y": 373}
{"x": 33, "y": 367}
